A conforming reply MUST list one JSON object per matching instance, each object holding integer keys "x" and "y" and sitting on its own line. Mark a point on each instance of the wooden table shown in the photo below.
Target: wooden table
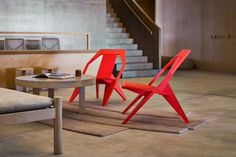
{"x": 52, "y": 84}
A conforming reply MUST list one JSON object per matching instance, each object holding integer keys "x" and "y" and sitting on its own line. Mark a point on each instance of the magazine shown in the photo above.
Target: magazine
{"x": 54, "y": 75}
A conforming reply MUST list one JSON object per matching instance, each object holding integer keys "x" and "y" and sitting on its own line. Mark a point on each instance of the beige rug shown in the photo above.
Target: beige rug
{"x": 102, "y": 121}
{"x": 87, "y": 127}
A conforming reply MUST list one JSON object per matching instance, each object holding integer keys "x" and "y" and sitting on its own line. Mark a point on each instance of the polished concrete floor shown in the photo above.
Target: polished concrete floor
{"x": 205, "y": 94}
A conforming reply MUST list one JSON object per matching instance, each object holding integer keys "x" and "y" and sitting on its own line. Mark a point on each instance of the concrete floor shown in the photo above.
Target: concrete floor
{"x": 211, "y": 95}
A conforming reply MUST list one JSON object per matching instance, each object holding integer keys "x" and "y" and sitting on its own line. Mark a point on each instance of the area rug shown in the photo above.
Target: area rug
{"x": 88, "y": 128}
{"x": 102, "y": 121}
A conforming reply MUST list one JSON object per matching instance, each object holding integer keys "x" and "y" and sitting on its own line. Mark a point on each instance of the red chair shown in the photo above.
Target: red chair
{"x": 147, "y": 90}
{"x": 104, "y": 75}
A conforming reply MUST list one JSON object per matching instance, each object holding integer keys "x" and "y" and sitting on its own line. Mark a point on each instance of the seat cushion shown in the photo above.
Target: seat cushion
{"x": 137, "y": 87}
{"x": 15, "y": 101}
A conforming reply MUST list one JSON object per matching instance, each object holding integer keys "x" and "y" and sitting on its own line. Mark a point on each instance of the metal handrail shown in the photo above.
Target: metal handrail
{"x": 143, "y": 12}
{"x": 143, "y": 23}
{"x": 145, "y": 32}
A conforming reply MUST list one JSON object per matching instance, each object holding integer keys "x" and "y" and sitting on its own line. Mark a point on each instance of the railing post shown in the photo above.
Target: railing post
{"x": 88, "y": 41}
{"x": 160, "y": 49}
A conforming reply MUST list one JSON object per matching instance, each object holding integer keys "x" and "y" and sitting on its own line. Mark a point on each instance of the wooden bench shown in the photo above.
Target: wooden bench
{"x": 18, "y": 107}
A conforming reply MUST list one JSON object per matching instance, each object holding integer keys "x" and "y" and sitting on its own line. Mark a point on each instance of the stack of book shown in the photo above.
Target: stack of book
{"x": 54, "y": 75}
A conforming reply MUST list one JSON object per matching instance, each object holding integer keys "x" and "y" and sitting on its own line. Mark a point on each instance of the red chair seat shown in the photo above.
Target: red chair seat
{"x": 146, "y": 91}
{"x": 105, "y": 80}
{"x": 138, "y": 87}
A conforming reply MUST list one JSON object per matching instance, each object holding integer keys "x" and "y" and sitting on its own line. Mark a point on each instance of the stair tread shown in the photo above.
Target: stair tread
{"x": 137, "y": 65}
{"x": 126, "y": 44}
{"x": 139, "y": 73}
{"x": 134, "y": 59}
{"x": 114, "y": 25}
{"x": 117, "y": 40}
{"x": 118, "y": 30}
{"x": 154, "y": 70}
{"x": 115, "y": 33}
{"x": 134, "y": 51}
{"x": 148, "y": 63}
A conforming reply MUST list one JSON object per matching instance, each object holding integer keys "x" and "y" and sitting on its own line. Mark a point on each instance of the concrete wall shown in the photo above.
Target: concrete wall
{"x": 180, "y": 21}
{"x": 191, "y": 23}
{"x": 57, "y": 15}
{"x": 159, "y": 20}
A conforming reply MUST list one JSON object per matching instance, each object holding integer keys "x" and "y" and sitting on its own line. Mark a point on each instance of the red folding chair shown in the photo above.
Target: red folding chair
{"x": 147, "y": 90}
{"x": 104, "y": 75}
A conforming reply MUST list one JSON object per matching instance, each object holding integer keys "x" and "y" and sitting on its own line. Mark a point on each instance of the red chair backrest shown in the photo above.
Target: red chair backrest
{"x": 174, "y": 63}
{"x": 108, "y": 62}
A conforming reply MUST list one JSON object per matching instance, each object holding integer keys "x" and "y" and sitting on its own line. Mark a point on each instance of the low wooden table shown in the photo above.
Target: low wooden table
{"x": 52, "y": 84}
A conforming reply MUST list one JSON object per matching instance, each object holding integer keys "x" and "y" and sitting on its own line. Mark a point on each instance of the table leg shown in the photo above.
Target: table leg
{"x": 36, "y": 91}
{"x": 50, "y": 92}
{"x": 25, "y": 89}
{"x": 81, "y": 99}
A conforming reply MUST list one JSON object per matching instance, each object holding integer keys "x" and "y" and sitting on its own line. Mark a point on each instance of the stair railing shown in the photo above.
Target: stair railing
{"x": 138, "y": 17}
{"x": 141, "y": 27}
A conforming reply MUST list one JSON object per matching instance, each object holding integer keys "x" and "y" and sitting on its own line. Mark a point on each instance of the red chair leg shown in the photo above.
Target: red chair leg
{"x": 107, "y": 93}
{"x": 120, "y": 92}
{"x": 74, "y": 94}
{"x": 131, "y": 104}
{"x": 173, "y": 101}
{"x": 143, "y": 101}
{"x": 97, "y": 90}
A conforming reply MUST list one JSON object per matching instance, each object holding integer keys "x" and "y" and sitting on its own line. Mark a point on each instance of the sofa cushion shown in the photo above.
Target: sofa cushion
{"x": 15, "y": 101}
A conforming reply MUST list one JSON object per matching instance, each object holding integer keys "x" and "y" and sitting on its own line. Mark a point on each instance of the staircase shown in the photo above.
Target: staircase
{"x": 136, "y": 64}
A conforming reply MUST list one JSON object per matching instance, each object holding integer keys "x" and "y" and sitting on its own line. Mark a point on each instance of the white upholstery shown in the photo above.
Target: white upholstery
{"x": 15, "y": 101}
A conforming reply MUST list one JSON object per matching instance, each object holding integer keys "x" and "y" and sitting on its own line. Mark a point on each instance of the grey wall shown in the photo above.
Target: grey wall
{"x": 191, "y": 24}
{"x": 159, "y": 21}
{"x": 180, "y": 22}
{"x": 57, "y": 16}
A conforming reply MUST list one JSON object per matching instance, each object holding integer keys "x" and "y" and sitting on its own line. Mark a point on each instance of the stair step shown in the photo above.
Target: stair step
{"x": 111, "y": 14}
{"x": 115, "y": 30}
{"x": 114, "y": 25}
{"x": 134, "y": 52}
{"x": 135, "y": 66}
{"x": 112, "y": 19}
{"x": 118, "y": 35}
{"x": 109, "y": 5}
{"x": 119, "y": 41}
{"x": 139, "y": 73}
{"x": 134, "y": 59}
{"x": 110, "y": 9}
{"x": 124, "y": 46}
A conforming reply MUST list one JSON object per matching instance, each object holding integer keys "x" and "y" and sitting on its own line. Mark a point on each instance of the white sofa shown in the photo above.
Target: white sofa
{"x": 18, "y": 107}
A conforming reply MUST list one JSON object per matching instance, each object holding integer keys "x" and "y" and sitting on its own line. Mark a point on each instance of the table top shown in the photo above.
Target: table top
{"x": 30, "y": 81}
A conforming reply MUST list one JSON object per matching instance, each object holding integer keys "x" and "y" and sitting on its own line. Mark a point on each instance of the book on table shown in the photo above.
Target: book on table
{"x": 54, "y": 75}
